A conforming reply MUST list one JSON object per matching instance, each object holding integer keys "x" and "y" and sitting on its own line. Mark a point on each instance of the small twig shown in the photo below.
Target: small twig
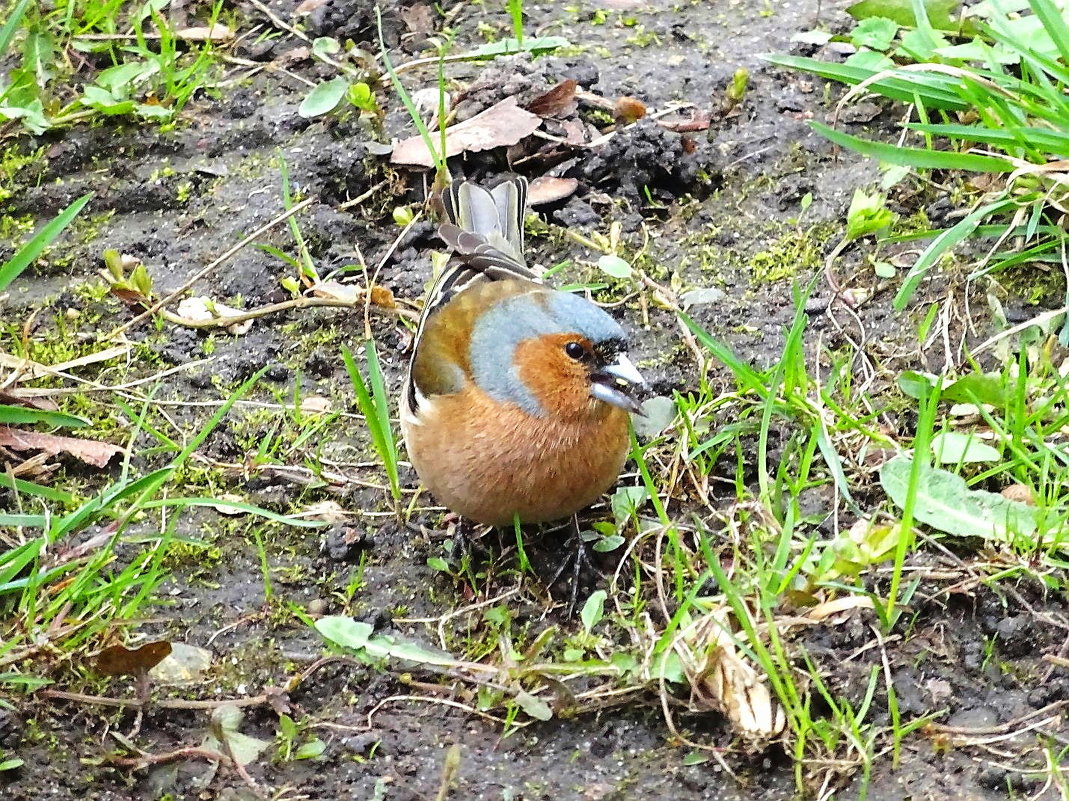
{"x": 211, "y": 267}
{"x": 148, "y": 760}
{"x": 302, "y": 302}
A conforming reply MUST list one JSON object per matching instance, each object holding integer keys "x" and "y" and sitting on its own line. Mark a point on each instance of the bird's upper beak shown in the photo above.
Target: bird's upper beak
{"x": 620, "y": 384}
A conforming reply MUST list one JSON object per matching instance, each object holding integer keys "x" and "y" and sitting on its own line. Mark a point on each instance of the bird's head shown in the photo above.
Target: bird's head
{"x": 554, "y": 354}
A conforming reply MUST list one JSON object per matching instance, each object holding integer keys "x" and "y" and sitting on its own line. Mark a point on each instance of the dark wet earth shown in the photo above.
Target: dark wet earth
{"x": 716, "y": 197}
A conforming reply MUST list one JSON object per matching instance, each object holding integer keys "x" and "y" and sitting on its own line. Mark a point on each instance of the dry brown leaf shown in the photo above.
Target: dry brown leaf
{"x": 697, "y": 120}
{"x": 308, "y": 6}
{"x": 557, "y": 102}
{"x": 315, "y": 404}
{"x": 329, "y": 511}
{"x": 723, "y": 680}
{"x": 847, "y": 603}
{"x": 629, "y": 109}
{"x": 118, "y": 660}
{"x": 16, "y": 396}
{"x": 417, "y": 18}
{"x": 547, "y": 189}
{"x": 203, "y": 33}
{"x": 91, "y": 451}
{"x": 1019, "y": 492}
{"x": 338, "y": 291}
{"x": 502, "y": 125}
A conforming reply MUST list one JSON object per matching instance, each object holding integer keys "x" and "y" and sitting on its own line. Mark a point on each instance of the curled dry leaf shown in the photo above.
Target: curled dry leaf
{"x": 560, "y": 101}
{"x": 629, "y": 109}
{"x": 226, "y": 508}
{"x": 308, "y": 6}
{"x": 330, "y": 511}
{"x": 201, "y": 309}
{"x": 697, "y": 120}
{"x": 502, "y": 125}
{"x": 185, "y": 664}
{"x": 118, "y": 660}
{"x": 723, "y": 680}
{"x": 1019, "y": 492}
{"x": 316, "y": 404}
{"x": 204, "y": 33}
{"x": 548, "y": 189}
{"x": 91, "y": 451}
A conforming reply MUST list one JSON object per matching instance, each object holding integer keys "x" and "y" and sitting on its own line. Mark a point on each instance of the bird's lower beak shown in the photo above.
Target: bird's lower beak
{"x": 619, "y": 384}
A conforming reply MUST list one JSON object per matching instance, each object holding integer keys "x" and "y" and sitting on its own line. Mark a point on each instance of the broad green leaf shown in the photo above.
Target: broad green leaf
{"x": 870, "y": 60}
{"x": 901, "y": 11}
{"x": 955, "y": 447}
{"x": 593, "y": 609}
{"x": 533, "y": 706}
{"x": 874, "y": 32}
{"x": 355, "y": 635}
{"x": 324, "y": 98}
{"x": 614, "y": 266}
{"x": 945, "y": 502}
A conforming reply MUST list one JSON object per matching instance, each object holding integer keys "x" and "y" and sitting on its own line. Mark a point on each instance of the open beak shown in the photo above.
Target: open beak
{"x": 619, "y": 384}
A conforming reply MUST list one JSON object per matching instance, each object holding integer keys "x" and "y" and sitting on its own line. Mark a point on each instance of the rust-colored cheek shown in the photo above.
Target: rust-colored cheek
{"x": 561, "y": 384}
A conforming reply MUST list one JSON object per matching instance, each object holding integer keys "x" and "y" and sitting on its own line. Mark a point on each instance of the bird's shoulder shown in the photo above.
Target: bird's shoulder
{"x": 441, "y": 363}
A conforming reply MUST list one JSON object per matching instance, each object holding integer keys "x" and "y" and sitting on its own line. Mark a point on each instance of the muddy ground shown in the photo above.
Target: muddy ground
{"x": 722, "y": 206}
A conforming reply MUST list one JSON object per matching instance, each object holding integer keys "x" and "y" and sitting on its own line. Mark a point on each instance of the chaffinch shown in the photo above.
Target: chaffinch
{"x": 518, "y": 395}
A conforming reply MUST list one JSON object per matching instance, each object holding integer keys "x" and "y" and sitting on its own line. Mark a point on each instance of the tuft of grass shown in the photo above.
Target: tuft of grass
{"x": 374, "y": 404}
{"x": 995, "y": 105}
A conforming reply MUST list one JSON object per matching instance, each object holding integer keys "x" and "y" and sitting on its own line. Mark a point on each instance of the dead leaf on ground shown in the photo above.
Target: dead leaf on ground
{"x": 629, "y": 109}
{"x": 183, "y": 665}
{"x": 202, "y": 309}
{"x": 548, "y": 189}
{"x": 330, "y": 511}
{"x": 559, "y": 101}
{"x": 502, "y": 125}
{"x": 15, "y": 396}
{"x": 118, "y": 660}
{"x": 92, "y": 452}
{"x": 723, "y": 680}
{"x": 316, "y": 404}
{"x": 308, "y": 6}
{"x": 204, "y": 33}
{"x": 698, "y": 120}
{"x": 417, "y": 18}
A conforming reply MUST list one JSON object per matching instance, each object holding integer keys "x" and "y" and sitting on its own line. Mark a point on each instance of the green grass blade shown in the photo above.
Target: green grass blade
{"x": 244, "y": 507}
{"x": 36, "y": 490}
{"x": 22, "y": 415}
{"x": 946, "y": 240}
{"x": 28, "y": 253}
{"x": 1049, "y": 14}
{"x": 917, "y": 158}
{"x": 23, "y": 521}
{"x": 744, "y": 374}
{"x": 1034, "y": 139}
{"x": 374, "y": 404}
{"x": 934, "y": 90}
{"x": 12, "y": 24}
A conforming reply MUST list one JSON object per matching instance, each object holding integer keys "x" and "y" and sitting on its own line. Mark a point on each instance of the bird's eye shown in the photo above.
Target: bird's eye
{"x": 575, "y": 350}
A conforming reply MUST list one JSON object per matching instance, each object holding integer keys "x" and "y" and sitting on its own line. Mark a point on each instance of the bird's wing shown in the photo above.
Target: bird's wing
{"x": 484, "y": 229}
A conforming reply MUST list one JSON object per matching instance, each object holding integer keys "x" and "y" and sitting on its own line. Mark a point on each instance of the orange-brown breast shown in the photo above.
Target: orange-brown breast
{"x": 488, "y": 461}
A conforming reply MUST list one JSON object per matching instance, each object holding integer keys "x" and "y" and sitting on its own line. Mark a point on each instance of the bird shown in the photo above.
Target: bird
{"x": 518, "y": 396}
